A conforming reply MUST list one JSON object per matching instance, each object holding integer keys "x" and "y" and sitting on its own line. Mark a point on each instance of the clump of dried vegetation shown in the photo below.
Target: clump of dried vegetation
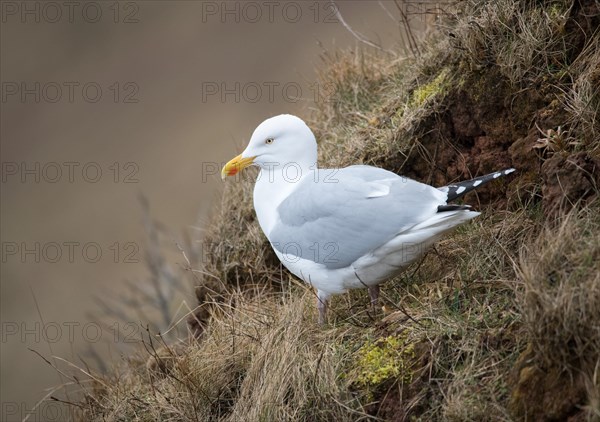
{"x": 501, "y": 321}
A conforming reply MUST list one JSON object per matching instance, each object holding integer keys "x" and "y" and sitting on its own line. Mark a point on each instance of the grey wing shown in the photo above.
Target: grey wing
{"x": 340, "y": 215}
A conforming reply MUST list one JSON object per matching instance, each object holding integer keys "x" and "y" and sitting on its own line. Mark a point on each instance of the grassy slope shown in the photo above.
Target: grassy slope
{"x": 499, "y": 322}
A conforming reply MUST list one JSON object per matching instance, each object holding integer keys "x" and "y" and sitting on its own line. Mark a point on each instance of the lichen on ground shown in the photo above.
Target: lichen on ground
{"x": 384, "y": 359}
{"x": 438, "y": 86}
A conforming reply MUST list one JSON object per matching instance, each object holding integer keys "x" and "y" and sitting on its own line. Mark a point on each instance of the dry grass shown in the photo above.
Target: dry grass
{"x": 551, "y": 51}
{"x": 582, "y": 98}
{"x": 493, "y": 310}
{"x": 560, "y": 273}
{"x": 559, "y": 301}
{"x": 262, "y": 359}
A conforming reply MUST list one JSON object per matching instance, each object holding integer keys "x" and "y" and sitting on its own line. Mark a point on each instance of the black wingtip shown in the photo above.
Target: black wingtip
{"x": 444, "y": 208}
{"x": 457, "y": 190}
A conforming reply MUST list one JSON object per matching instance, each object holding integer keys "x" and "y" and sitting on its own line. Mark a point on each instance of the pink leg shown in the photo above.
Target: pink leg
{"x": 322, "y": 304}
{"x": 374, "y": 295}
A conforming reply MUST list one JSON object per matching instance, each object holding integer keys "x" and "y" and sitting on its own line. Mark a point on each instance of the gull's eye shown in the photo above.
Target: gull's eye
{"x": 269, "y": 141}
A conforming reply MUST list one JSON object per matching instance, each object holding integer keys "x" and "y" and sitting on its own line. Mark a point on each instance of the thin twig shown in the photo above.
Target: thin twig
{"x": 356, "y": 34}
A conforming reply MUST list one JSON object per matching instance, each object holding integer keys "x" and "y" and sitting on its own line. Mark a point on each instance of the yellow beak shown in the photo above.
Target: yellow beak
{"x": 235, "y": 165}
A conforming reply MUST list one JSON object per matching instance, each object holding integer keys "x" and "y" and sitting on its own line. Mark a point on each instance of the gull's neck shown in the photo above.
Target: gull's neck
{"x": 273, "y": 185}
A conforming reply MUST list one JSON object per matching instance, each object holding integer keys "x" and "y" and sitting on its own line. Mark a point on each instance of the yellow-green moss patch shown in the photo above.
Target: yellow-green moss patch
{"x": 386, "y": 358}
{"x": 423, "y": 93}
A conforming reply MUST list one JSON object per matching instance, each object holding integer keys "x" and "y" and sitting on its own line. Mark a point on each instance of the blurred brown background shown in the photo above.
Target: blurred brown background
{"x": 159, "y": 123}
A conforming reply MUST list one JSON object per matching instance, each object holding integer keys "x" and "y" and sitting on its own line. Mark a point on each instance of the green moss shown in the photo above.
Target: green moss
{"x": 423, "y": 93}
{"x": 557, "y": 10}
{"x": 387, "y": 358}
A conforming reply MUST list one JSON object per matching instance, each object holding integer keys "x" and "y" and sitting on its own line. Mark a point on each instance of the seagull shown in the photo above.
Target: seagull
{"x": 343, "y": 228}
